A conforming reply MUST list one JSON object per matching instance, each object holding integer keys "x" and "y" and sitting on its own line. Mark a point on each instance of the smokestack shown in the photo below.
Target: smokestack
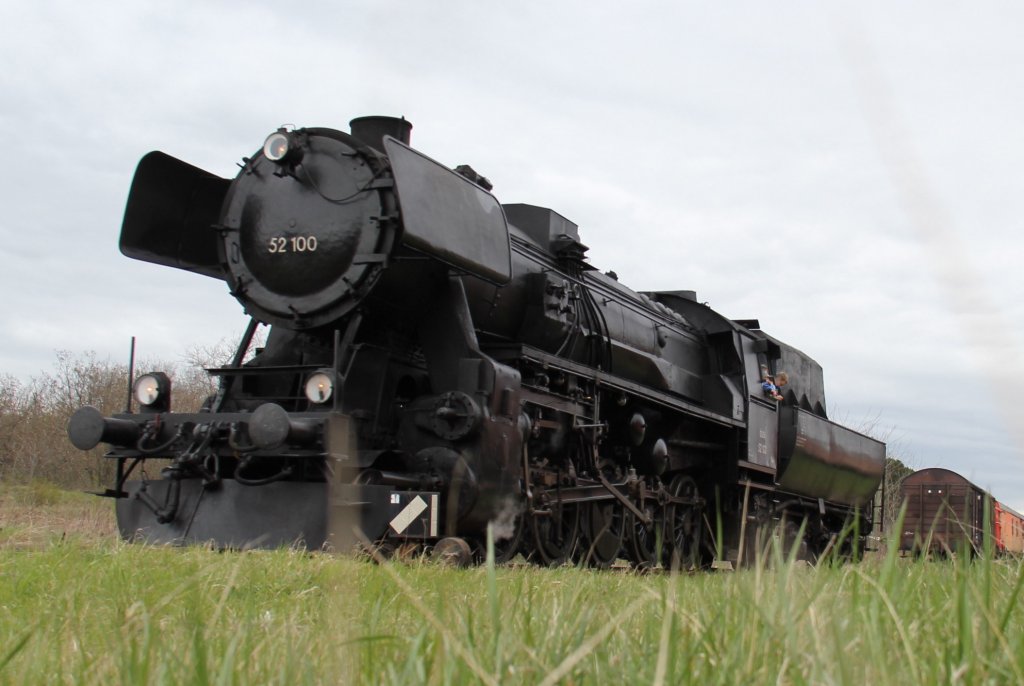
{"x": 371, "y": 130}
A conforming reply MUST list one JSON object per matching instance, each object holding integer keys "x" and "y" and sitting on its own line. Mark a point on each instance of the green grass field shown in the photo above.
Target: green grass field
{"x": 76, "y": 606}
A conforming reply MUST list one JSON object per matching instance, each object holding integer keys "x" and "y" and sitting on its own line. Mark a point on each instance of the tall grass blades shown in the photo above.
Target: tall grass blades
{"x": 94, "y": 611}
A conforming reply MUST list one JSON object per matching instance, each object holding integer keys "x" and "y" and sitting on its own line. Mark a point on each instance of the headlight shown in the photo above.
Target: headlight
{"x": 320, "y": 387}
{"x": 282, "y": 147}
{"x": 153, "y": 391}
{"x": 276, "y": 146}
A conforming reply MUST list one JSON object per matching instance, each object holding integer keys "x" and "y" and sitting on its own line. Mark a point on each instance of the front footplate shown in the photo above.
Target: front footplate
{"x": 285, "y": 513}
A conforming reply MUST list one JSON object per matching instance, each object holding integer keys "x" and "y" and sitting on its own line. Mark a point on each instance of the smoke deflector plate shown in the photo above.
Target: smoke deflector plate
{"x": 447, "y": 216}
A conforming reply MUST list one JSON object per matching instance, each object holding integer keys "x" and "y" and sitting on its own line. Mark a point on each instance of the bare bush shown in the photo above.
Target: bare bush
{"x": 11, "y": 417}
{"x": 889, "y": 497}
{"x": 34, "y": 415}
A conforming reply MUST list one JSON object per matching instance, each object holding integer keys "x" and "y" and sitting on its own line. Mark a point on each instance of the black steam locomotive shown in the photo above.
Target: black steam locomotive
{"x": 438, "y": 362}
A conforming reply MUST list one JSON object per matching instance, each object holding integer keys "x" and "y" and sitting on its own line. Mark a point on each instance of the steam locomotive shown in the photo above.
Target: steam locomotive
{"x": 439, "y": 364}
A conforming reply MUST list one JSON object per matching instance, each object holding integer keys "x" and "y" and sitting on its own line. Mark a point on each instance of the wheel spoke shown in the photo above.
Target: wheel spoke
{"x": 683, "y": 526}
{"x": 643, "y": 541}
{"x": 603, "y": 530}
{"x": 555, "y": 535}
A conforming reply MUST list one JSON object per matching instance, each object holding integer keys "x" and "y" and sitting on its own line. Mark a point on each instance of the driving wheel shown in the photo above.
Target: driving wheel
{"x": 683, "y": 525}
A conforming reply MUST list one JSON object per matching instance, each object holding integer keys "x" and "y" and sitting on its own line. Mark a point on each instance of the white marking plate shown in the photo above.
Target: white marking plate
{"x": 408, "y": 514}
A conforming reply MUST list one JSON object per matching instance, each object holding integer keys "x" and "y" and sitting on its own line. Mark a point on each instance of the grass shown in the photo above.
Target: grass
{"x": 39, "y": 513}
{"x": 87, "y": 609}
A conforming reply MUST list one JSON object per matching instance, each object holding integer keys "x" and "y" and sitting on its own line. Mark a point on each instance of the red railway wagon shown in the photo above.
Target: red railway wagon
{"x": 1009, "y": 530}
{"x": 946, "y": 513}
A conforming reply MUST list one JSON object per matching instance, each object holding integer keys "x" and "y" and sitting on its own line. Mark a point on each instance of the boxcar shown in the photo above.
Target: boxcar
{"x": 1009, "y": 530}
{"x": 946, "y": 513}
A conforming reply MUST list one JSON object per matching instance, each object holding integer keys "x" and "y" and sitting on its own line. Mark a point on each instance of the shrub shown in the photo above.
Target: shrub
{"x": 33, "y": 415}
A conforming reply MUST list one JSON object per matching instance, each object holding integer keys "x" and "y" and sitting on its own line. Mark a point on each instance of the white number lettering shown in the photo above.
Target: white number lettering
{"x": 280, "y": 244}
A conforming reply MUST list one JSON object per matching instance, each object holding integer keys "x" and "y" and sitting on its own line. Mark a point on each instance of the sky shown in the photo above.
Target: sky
{"x": 847, "y": 173}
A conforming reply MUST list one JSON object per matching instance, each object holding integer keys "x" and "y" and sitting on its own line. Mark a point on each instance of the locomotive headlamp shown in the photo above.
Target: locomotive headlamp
{"x": 153, "y": 391}
{"x": 282, "y": 147}
{"x": 276, "y": 146}
{"x": 320, "y": 387}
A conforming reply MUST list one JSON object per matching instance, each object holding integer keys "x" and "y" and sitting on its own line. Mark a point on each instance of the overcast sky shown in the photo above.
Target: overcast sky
{"x": 850, "y": 175}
